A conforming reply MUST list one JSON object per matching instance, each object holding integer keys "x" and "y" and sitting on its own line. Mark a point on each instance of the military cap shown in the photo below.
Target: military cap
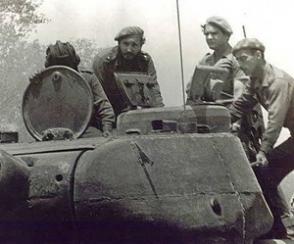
{"x": 249, "y": 43}
{"x": 221, "y": 23}
{"x": 128, "y": 31}
{"x": 61, "y": 53}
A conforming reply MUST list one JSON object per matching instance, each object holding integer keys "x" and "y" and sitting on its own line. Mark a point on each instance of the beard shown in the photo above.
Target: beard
{"x": 128, "y": 56}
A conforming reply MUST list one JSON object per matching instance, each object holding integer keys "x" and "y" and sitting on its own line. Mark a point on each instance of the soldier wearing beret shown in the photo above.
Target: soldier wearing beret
{"x": 274, "y": 90}
{"x": 64, "y": 54}
{"x": 217, "y": 32}
{"x": 126, "y": 57}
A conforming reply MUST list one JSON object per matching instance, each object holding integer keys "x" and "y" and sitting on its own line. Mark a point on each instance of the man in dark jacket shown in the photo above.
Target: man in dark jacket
{"x": 126, "y": 57}
{"x": 64, "y": 54}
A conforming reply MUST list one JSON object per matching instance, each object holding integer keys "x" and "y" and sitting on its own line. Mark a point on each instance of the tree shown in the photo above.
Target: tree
{"x": 18, "y": 18}
{"x": 18, "y": 57}
{"x": 86, "y": 49}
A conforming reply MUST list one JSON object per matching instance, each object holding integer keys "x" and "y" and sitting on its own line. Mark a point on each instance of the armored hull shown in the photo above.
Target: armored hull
{"x": 155, "y": 187}
{"x": 167, "y": 175}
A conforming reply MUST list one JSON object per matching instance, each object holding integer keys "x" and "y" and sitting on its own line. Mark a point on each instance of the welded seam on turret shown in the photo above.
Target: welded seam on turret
{"x": 107, "y": 198}
{"x": 72, "y": 197}
{"x": 234, "y": 187}
{"x": 143, "y": 159}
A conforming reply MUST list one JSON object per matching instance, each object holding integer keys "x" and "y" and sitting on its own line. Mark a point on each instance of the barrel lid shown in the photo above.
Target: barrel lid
{"x": 57, "y": 97}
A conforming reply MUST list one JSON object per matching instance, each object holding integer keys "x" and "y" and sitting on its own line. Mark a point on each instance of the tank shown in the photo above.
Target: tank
{"x": 167, "y": 175}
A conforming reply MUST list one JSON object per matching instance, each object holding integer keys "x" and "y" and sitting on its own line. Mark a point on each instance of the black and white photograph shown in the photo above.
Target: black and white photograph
{"x": 146, "y": 122}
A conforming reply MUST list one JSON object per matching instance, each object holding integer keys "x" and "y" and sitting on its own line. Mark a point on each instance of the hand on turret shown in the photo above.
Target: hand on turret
{"x": 235, "y": 127}
{"x": 261, "y": 160}
{"x": 107, "y": 130}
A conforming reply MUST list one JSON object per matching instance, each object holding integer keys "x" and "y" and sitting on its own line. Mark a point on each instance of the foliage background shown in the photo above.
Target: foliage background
{"x": 20, "y": 57}
{"x": 22, "y": 53}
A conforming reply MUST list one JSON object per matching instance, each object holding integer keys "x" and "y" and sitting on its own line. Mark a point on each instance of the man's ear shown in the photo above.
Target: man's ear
{"x": 228, "y": 37}
{"x": 143, "y": 40}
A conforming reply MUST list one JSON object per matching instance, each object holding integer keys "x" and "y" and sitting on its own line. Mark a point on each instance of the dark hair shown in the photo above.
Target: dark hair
{"x": 143, "y": 40}
{"x": 217, "y": 26}
{"x": 252, "y": 51}
{"x": 62, "y": 53}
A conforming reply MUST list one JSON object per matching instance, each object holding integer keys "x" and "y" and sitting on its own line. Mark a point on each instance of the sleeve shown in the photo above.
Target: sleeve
{"x": 236, "y": 77}
{"x": 98, "y": 68}
{"x": 237, "y": 72}
{"x": 156, "y": 89}
{"x": 204, "y": 60}
{"x": 279, "y": 102}
{"x": 244, "y": 103}
{"x": 103, "y": 109}
{"x": 188, "y": 88}
{"x": 226, "y": 63}
{"x": 240, "y": 80}
{"x": 239, "y": 88}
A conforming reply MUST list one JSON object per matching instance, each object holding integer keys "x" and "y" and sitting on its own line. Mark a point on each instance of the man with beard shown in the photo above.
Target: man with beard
{"x": 126, "y": 57}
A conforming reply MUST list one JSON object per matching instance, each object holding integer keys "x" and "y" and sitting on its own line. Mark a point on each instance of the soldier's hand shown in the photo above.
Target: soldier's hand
{"x": 261, "y": 160}
{"x": 225, "y": 64}
{"x": 216, "y": 87}
{"x": 235, "y": 127}
{"x": 106, "y": 133}
{"x": 107, "y": 130}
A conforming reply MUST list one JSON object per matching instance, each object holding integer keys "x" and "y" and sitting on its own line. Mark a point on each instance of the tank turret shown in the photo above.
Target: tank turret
{"x": 168, "y": 175}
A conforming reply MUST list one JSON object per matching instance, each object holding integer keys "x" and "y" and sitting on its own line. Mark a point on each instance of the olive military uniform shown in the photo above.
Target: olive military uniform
{"x": 103, "y": 113}
{"x": 226, "y": 61}
{"x": 109, "y": 61}
{"x": 275, "y": 93}
{"x": 62, "y": 53}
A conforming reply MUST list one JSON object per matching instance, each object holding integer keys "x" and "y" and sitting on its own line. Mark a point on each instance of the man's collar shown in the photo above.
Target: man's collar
{"x": 113, "y": 54}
